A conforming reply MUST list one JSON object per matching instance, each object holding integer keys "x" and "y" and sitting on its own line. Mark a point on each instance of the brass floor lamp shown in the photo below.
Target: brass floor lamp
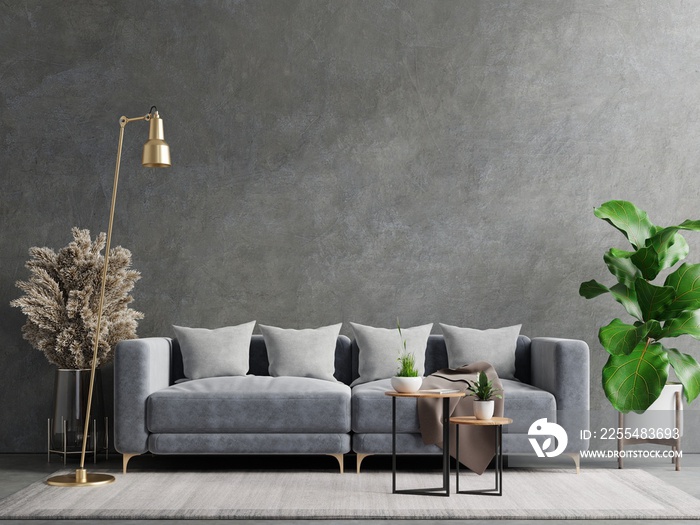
{"x": 156, "y": 154}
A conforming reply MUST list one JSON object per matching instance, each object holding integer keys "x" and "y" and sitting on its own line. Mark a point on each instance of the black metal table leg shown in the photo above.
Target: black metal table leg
{"x": 437, "y": 491}
{"x": 499, "y": 459}
{"x": 446, "y": 445}
{"x": 457, "y": 455}
{"x": 497, "y": 490}
{"x": 393, "y": 445}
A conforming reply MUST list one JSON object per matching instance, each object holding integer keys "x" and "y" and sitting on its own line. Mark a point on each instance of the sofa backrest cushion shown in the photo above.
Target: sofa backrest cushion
{"x": 309, "y": 352}
{"x": 212, "y": 353}
{"x": 380, "y": 349}
{"x": 494, "y": 345}
{"x": 259, "y": 363}
{"x": 436, "y": 357}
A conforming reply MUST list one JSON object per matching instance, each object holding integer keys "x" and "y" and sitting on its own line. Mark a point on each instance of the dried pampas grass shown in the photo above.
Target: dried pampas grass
{"x": 62, "y": 296}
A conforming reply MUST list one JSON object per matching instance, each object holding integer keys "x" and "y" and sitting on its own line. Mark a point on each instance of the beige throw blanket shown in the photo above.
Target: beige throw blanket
{"x": 476, "y": 443}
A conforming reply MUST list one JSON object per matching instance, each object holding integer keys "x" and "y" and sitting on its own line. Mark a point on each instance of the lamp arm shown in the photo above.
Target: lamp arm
{"x": 123, "y": 121}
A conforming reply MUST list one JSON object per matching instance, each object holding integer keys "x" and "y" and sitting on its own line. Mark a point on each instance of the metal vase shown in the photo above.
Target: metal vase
{"x": 71, "y": 388}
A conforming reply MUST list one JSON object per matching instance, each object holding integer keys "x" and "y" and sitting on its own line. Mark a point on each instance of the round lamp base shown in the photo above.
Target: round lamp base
{"x": 81, "y": 478}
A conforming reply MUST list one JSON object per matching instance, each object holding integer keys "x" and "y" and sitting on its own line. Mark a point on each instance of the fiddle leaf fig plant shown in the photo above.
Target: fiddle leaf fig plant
{"x": 638, "y": 366}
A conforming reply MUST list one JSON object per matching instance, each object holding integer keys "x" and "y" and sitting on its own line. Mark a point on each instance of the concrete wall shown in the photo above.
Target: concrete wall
{"x": 343, "y": 160}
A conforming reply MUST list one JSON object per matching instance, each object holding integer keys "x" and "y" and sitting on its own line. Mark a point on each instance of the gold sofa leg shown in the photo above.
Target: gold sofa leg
{"x": 360, "y": 458}
{"x": 577, "y": 460}
{"x": 340, "y": 458}
{"x": 125, "y": 460}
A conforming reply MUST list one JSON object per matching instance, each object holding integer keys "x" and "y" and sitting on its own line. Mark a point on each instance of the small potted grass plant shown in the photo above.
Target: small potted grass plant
{"x": 406, "y": 379}
{"x": 484, "y": 392}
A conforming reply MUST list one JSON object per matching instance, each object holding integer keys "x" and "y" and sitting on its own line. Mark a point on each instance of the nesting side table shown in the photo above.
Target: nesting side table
{"x": 445, "y": 416}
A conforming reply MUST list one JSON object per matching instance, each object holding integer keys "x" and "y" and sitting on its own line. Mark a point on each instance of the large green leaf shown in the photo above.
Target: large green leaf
{"x": 676, "y": 251}
{"x": 623, "y": 295}
{"x": 619, "y": 338}
{"x": 591, "y": 289}
{"x": 630, "y": 220}
{"x": 690, "y": 225}
{"x": 634, "y": 381}
{"x": 653, "y": 300}
{"x": 627, "y": 297}
{"x": 664, "y": 249}
{"x": 688, "y": 371}
{"x": 686, "y": 283}
{"x": 621, "y": 266}
{"x": 687, "y": 323}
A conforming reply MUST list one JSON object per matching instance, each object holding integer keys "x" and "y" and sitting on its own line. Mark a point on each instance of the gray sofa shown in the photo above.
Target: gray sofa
{"x": 158, "y": 411}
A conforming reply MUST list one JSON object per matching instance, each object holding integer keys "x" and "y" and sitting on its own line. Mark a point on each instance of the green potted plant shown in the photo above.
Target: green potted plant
{"x": 638, "y": 366}
{"x": 406, "y": 378}
{"x": 484, "y": 392}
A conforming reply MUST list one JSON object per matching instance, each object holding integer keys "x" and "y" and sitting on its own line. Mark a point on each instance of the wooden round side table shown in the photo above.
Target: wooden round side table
{"x": 497, "y": 422}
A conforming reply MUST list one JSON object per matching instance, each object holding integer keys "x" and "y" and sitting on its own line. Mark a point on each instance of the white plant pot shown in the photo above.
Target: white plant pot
{"x": 661, "y": 415}
{"x": 406, "y": 384}
{"x": 483, "y": 409}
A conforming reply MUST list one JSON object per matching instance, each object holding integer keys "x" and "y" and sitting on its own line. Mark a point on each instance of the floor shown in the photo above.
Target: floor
{"x": 20, "y": 470}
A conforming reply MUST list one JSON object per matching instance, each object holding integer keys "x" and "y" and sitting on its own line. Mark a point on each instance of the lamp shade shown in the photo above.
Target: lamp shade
{"x": 156, "y": 152}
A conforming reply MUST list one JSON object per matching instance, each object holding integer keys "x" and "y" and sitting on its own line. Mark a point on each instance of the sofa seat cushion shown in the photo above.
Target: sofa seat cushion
{"x": 255, "y": 443}
{"x": 371, "y": 408}
{"x": 525, "y": 404}
{"x": 248, "y": 404}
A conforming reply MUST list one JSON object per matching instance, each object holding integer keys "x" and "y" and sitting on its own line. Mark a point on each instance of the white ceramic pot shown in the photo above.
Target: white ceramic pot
{"x": 406, "y": 384}
{"x": 661, "y": 415}
{"x": 483, "y": 409}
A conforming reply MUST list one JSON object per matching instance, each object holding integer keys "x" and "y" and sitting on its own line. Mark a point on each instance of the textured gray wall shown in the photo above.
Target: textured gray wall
{"x": 343, "y": 160}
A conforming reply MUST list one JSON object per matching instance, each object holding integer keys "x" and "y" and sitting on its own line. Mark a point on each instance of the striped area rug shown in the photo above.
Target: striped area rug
{"x": 527, "y": 494}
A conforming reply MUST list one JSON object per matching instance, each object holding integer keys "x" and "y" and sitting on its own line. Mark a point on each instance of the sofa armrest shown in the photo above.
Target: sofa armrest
{"x": 562, "y": 367}
{"x": 141, "y": 367}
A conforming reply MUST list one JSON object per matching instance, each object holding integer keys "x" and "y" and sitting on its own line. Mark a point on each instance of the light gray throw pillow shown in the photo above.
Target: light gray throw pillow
{"x": 495, "y": 345}
{"x": 212, "y": 353}
{"x": 301, "y": 353}
{"x": 380, "y": 348}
